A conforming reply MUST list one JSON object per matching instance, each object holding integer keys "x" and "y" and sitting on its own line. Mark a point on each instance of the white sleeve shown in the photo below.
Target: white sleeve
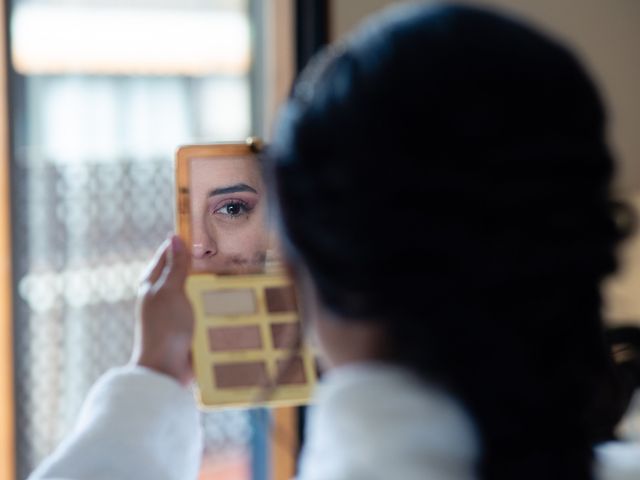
{"x": 135, "y": 424}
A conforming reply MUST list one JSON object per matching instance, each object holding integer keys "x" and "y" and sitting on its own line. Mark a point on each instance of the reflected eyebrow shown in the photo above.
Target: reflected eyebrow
{"x": 238, "y": 187}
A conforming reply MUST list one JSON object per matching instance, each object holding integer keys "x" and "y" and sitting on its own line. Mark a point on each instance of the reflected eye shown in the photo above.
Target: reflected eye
{"x": 234, "y": 208}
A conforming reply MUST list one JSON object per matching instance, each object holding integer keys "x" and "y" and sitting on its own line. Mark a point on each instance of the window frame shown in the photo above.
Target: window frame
{"x": 290, "y": 43}
{"x": 7, "y": 381}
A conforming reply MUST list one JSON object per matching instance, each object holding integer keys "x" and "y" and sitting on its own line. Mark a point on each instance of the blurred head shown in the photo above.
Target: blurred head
{"x": 443, "y": 178}
{"x": 228, "y": 207}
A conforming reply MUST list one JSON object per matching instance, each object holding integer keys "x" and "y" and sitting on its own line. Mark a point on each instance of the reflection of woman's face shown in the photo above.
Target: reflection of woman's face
{"x": 228, "y": 211}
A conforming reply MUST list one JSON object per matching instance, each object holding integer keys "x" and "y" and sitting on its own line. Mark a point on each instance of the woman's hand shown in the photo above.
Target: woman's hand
{"x": 164, "y": 318}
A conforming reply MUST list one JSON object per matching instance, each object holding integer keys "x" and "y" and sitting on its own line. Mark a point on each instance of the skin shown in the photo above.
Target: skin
{"x": 164, "y": 328}
{"x": 164, "y": 323}
{"x": 228, "y": 211}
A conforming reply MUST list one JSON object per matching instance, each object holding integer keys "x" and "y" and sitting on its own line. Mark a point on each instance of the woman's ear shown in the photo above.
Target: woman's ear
{"x": 337, "y": 340}
{"x": 306, "y": 293}
{"x": 309, "y": 306}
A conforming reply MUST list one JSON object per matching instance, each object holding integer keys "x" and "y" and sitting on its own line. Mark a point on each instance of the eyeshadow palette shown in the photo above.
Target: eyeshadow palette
{"x": 247, "y": 347}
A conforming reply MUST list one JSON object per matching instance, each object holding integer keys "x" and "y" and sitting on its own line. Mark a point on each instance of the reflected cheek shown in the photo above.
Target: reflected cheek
{"x": 245, "y": 240}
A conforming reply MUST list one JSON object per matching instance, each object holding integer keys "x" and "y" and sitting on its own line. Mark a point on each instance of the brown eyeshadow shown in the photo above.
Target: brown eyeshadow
{"x": 223, "y": 339}
{"x": 229, "y": 302}
{"x": 280, "y": 299}
{"x": 285, "y": 335}
{"x": 233, "y": 375}
{"x": 293, "y": 372}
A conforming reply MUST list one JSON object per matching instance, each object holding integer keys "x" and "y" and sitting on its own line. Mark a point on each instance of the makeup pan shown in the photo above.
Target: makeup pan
{"x": 229, "y": 339}
{"x": 285, "y": 335}
{"x": 291, "y": 372}
{"x": 236, "y": 302}
{"x": 280, "y": 299}
{"x": 233, "y": 375}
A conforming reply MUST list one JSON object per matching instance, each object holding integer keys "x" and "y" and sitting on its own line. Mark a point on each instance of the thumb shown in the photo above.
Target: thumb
{"x": 177, "y": 266}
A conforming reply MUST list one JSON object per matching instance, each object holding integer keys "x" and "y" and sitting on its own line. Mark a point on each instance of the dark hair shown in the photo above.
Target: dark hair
{"x": 444, "y": 172}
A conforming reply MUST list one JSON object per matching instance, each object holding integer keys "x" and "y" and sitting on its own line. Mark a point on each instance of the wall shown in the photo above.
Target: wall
{"x": 606, "y": 35}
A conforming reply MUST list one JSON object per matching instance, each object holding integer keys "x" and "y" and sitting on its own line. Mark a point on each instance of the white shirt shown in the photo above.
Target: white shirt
{"x": 134, "y": 424}
{"x": 375, "y": 421}
{"x": 369, "y": 421}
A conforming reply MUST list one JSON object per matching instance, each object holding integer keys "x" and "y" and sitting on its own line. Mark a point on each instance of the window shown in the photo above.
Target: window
{"x": 102, "y": 93}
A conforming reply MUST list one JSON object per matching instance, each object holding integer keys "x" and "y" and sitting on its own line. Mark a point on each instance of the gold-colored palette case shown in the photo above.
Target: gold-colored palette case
{"x": 247, "y": 348}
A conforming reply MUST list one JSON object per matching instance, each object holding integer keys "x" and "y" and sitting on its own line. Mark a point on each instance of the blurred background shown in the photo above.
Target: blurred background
{"x": 97, "y": 95}
{"x": 102, "y": 92}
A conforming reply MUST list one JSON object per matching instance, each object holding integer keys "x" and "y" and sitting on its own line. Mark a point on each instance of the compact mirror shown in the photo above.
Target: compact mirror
{"x": 230, "y": 231}
{"x": 247, "y": 347}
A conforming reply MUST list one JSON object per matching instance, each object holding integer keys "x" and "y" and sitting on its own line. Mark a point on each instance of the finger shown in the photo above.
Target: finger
{"x": 157, "y": 264}
{"x": 177, "y": 266}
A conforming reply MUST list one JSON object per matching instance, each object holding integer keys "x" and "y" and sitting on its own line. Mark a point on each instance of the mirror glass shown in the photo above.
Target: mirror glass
{"x": 231, "y": 232}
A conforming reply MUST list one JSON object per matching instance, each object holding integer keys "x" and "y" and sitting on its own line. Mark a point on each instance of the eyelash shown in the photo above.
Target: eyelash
{"x": 244, "y": 207}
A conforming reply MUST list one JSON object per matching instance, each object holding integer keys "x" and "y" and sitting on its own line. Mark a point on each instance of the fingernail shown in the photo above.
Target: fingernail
{"x": 176, "y": 244}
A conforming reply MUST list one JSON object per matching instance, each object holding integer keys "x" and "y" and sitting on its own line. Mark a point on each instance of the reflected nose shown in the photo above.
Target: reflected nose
{"x": 204, "y": 241}
{"x": 203, "y": 250}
